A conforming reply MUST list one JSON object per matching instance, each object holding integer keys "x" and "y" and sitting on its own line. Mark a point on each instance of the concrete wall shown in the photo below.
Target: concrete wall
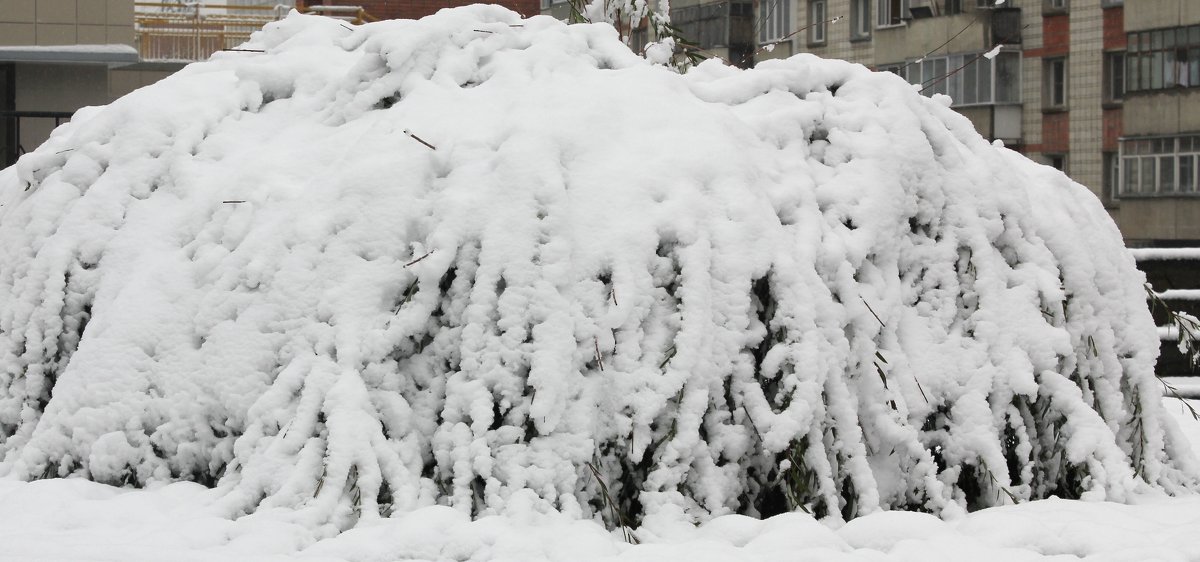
{"x": 1160, "y": 218}
{"x": 1154, "y": 14}
{"x": 66, "y": 22}
{"x": 122, "y": 81}
{"x": 838, "y": 43}
{"x": 923, "y": 35}
{"x": 1162, "y": 113}
{"x": 52, "y": 87}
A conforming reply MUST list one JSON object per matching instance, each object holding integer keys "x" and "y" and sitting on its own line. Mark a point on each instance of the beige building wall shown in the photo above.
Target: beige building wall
{"x": 837, "y": 44}
{"x": 1085, "y": 72}
{"x": 1031, "y": 70}
{"x": 66, "y": 22}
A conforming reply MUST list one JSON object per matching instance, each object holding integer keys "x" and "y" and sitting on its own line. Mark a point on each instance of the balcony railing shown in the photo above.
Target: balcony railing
{"x": 193, "y": 31}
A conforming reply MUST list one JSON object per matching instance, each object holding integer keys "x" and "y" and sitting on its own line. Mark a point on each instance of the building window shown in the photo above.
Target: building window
{"x": 860, "y": 18}
{"x": 1109, "y": 177}
{"x": 952, "y": 7}
{"x": 969, "y": 79}
{"x": 8, "y": 124}
{"x": 1055, "y": 81}
{"x": 1055, "y": 5}
{"x": 776, "y": 24}
{"x": 891, "y": 12}
{"x": 1114, "y": 76}
{"x": 1163, "y": 58}
{"x": 897, "y": 68}
{"x": 1160, "y": 166}
{"x": 1057, "y": 161}
{"x": 817, "y": 15}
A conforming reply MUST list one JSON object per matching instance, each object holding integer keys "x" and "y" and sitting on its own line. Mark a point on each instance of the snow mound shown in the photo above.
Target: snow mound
{"x": 502, "y": 264}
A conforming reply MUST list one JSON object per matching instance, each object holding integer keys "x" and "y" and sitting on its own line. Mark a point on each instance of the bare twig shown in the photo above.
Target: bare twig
{"x": 245, "y": 50}
{"x": 427, "y": 254}
{"x": 613, "y": 507}
{"x": 234, "y": 201}
{"x": 599, "y": 358}
{"x": 419, "y": 139}
{"x": 864, "y": 301}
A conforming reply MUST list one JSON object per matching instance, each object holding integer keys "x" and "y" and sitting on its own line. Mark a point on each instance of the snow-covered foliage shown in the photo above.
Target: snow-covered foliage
{"x": 477, "y": 261}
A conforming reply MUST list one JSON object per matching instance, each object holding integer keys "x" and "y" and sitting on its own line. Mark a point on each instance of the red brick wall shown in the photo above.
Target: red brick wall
{"x": 1112, "y": 129}
{"x": 1056, "y": 37}
{"x": 414, "y": 9}
{"x": 1056, "y": 133}
{"x": 1114, "y": 29}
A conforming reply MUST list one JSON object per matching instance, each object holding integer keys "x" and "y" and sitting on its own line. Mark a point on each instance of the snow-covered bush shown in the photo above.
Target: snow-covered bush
{"x": 497, "y": 263}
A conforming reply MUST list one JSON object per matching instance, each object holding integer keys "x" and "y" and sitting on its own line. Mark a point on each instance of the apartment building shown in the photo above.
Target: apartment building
{"x": 1159, "y": 144}
{"x": 1105, "y": 91}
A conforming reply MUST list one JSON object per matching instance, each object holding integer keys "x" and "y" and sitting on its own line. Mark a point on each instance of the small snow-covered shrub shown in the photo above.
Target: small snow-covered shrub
{"x": 477, "y": 260}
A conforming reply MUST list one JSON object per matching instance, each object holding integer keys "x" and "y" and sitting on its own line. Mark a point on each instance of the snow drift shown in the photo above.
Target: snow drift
{"x": 505, "y": 264}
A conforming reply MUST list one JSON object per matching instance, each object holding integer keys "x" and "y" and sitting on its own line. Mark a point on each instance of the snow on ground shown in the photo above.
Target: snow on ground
{"x": 74, "y": 519}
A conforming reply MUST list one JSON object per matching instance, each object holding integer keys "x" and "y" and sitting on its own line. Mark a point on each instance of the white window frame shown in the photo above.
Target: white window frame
{"x": 1052, "y": 98}
{"x": 935, "y": 69}
{"x": 1153, "y": 158}
{"x": 776, "y": 20}
{"x": 1114, "y": 76}
{"x": 890, "y": 13}
{"x": 818, "y": 12}
{"x": 860, "y": 18}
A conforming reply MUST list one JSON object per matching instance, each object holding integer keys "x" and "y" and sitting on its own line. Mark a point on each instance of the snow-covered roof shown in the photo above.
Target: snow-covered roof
{"x": 80, "y": 54}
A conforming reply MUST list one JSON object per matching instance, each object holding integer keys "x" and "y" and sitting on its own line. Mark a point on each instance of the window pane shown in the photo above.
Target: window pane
{"x": 1169, "y": 69}
{"x": 985, "y": 80}
{"x": 1148, "y": 180}
{"x": 1118, "y": 78}
{"x": 1131, "y": 176}
{"x": 1131, "y": 65}
{"x": 939, "y": 70}
{"x": 1187, "y": 173}
{"x": 970, "y": 79}
{"x": 1007, "y": 77}
{"x": 1193, "y": 67}
{"x": 1156, "y": 70}
{"x": 1166, "y": 174}
{"x": 1147, "y": 59}
{"x": 1059, "y": 81}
